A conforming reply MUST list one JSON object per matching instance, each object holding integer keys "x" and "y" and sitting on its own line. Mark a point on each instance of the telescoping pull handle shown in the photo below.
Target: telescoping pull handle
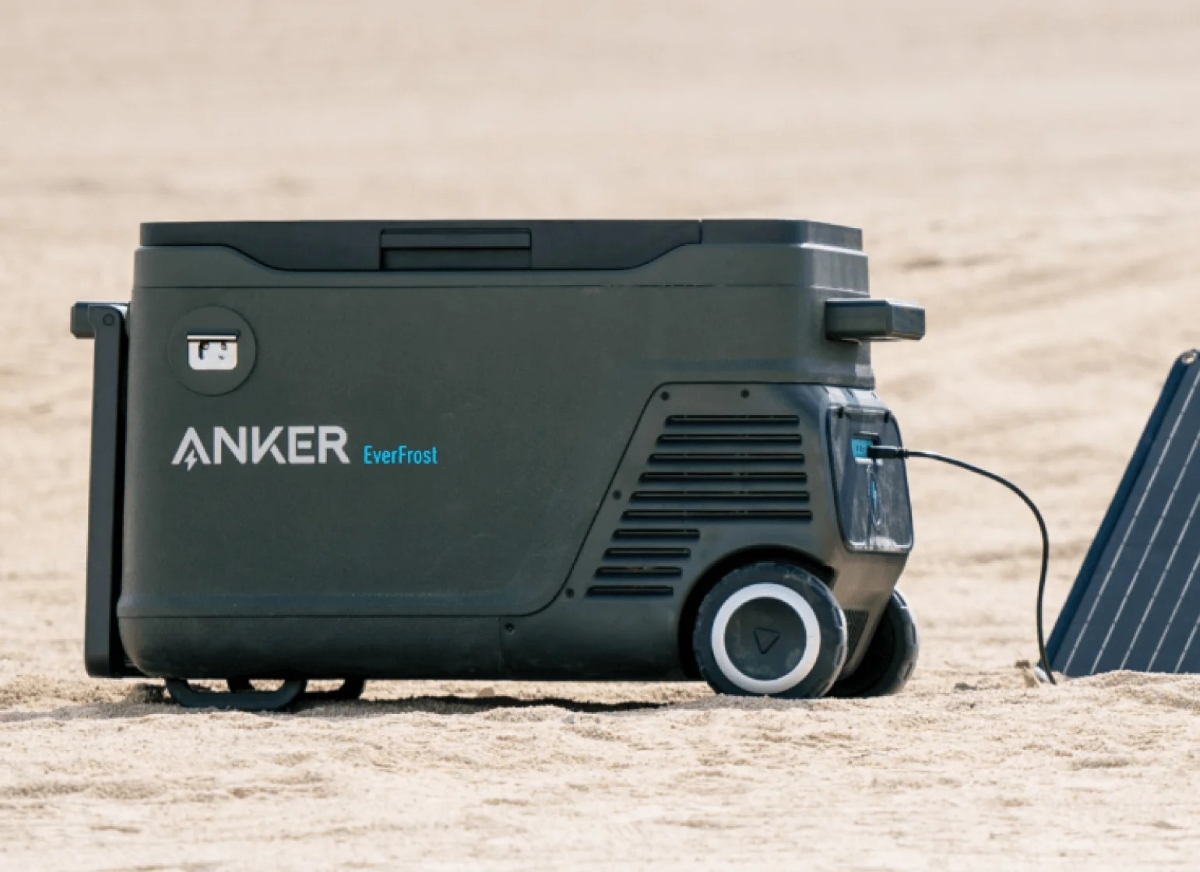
{"x": 104, "y": 323}
{"x": 873, "y": 320}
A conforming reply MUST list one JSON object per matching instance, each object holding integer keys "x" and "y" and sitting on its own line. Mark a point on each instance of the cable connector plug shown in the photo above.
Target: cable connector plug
{"x": 886, "y": 452}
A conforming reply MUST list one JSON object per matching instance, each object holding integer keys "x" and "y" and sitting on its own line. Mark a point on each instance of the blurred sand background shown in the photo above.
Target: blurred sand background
{"x": 1029, "y": 171}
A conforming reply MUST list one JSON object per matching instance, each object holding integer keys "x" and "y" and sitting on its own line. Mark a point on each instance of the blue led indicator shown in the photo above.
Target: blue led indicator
{"x": 859, "y": 447}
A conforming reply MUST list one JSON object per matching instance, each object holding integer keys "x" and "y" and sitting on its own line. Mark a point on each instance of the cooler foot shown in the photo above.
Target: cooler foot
{"x": 351, "y": 689}
{"x": 241, "y": 698}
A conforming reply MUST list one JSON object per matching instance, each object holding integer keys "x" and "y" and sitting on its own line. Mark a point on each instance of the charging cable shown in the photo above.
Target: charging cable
{"x": 895, "y": 452}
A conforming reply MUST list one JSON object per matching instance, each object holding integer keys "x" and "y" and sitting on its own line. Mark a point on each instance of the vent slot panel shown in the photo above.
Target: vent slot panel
{"x": 744, "y": 421}
{"x": 717, "y": 476}
{"x": 856, "y": 622}
{"x": 729, "y": 439}
{"x": 649, "y": 552}
{"x": 748, "y": 468}
{"x": 702, "y": 472}
{"x": 637, "y": 558}
{"x": 719, "y": 496}
{"x": 717, "y": 515}
{"x": 641, "y": 534}
{"x": 638, "y": 572}
{"x": 631, "y": 590}
{"x": 735, "y": 458}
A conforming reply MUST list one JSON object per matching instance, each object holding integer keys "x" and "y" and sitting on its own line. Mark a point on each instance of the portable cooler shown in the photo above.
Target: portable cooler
{"x": 496, "y": 449}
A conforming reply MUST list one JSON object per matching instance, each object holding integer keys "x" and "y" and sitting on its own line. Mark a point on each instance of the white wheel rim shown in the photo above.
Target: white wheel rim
{"x": 812, "y": 638}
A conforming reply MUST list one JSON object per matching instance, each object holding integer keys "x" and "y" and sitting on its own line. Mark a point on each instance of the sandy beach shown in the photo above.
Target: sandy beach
{"x": 1029, "y": 172}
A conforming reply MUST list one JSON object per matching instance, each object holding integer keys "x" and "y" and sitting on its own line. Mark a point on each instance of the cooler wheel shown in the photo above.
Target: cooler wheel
{"x": 770, "y": 629}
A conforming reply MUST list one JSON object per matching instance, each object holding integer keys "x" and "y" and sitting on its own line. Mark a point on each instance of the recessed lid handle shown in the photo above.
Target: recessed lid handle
{"x": 455, "y": 249}
{"x": 455, "y": 239}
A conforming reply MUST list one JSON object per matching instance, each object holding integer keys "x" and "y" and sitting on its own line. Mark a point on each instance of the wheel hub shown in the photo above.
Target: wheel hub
{"x": 765, "y": 638}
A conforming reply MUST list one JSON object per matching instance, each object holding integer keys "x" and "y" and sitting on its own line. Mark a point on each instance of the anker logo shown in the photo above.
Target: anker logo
{"x": 299, "y": 445}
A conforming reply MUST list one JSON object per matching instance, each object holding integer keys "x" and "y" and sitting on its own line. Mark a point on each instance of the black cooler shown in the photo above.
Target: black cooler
{"x": 497, "y": 449}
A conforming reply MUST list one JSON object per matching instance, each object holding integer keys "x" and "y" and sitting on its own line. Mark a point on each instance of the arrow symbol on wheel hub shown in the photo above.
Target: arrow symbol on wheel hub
{"x": 766, "y": 639}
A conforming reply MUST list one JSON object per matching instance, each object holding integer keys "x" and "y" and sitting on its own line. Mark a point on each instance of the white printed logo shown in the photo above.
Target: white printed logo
{"x": 300, "y": 445}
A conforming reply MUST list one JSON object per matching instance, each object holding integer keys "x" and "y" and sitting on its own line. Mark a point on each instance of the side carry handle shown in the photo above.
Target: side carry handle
{"x": 873, "y": 320}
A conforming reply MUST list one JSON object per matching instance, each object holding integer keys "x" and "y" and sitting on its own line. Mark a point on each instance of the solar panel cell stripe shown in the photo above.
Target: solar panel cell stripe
{"x": 1124, "y": 541}
{"x": 1181, "y": 605}
{"x": 1139, "y": 651}
{"x": 1171, "y": 619}
{"x": 1170, "y": 560}
{"x": 1146, "y": 562}
{"x": 1179, "y": 665}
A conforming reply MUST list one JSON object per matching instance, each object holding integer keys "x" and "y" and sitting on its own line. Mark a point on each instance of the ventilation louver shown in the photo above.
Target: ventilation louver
{"x": 704, "y": 470}
{"x": 856, "y": 622}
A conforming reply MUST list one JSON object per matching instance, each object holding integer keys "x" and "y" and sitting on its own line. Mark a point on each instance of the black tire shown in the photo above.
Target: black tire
{"x": 765, "y": 615}
{"x": 890, "y": 657}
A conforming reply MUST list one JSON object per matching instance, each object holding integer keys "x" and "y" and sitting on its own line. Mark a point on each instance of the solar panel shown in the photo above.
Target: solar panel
{"x": 1136, "y": 602}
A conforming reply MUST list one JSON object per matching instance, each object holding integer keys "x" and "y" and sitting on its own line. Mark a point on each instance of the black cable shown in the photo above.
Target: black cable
{"x": 895, "y": 452}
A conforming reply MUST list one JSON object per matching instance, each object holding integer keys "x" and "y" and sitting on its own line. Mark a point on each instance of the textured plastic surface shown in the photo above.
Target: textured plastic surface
{"x": 1136, "y": 601}
{"x": 426, "y": 471}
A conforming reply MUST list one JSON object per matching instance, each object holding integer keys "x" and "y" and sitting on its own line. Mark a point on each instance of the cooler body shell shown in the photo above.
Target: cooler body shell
{"x": 491, "y": 449}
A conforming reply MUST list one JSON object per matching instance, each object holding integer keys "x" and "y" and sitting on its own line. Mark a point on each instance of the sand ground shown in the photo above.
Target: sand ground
{"x": 1029, "y": 171}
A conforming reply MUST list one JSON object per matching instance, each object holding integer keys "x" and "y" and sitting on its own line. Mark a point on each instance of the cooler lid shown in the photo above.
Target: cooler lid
{"x": 485, "y": 245}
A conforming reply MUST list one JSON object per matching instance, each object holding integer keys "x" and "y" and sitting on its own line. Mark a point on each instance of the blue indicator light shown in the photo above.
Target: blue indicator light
{"x": 859, "y": 447}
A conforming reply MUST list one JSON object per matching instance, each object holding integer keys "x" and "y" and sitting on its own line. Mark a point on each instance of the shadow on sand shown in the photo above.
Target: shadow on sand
{"x": 148, "y": 701}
